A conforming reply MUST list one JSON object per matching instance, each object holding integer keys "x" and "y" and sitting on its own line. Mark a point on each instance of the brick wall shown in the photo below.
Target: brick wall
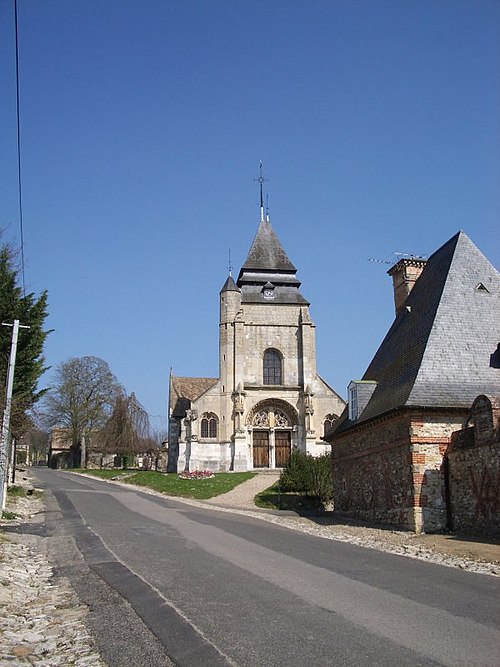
{"x": 429, "y": 439}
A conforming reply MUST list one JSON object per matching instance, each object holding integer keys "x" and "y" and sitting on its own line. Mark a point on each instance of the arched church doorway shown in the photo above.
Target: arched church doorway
{"x": 272, "y": 423}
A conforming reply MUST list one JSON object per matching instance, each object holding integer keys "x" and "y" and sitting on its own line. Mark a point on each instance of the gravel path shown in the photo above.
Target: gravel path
{"x": 242, "y": 496}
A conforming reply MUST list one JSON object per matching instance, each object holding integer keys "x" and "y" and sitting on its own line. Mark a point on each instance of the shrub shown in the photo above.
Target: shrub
{"x": 310, "y": 475}
{"x": 294, "y": 475}
{"x": 320, "y": 477}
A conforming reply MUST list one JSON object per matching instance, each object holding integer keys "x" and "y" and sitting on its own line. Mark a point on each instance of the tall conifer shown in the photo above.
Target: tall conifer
{"x": 30, "y": 363}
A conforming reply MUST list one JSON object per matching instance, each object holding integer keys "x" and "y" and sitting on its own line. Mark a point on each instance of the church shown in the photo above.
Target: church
{"x": 268, "y": 398}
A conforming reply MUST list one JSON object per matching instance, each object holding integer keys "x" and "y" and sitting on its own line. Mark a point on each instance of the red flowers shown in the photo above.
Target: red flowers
{"x": 196, "y": 474}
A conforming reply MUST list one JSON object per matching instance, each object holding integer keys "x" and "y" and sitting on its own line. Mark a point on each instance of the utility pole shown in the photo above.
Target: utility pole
{"x": 4, "y": 442}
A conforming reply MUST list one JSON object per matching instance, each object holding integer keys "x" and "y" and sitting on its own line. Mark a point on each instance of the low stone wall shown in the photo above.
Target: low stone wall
{"x": 195, "y": 455}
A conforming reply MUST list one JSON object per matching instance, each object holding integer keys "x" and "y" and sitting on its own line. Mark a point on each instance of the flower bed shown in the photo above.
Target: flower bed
{"x": 196, "y": 474}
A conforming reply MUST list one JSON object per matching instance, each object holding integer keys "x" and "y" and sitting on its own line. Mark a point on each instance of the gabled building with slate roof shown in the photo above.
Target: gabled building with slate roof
{"x": 436, "y": 358}
{"x": 268, "y": 397}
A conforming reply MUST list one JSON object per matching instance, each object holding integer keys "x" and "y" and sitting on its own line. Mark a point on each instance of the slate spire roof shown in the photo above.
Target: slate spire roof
{"x": 266, "y": 252}
{"x": 267, "y": 262}
{"x": 440, "y": 349}
{"x": 230, "y": 285}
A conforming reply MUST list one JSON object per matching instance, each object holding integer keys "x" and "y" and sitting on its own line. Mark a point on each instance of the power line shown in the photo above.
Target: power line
{"x": 18, "y": 125}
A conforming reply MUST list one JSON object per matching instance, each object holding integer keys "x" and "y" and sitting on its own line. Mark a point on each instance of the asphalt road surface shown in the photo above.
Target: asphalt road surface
{"x": 170, "y": 583}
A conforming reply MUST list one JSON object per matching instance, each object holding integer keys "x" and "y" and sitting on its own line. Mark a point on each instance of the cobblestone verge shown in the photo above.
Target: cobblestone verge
{"x": 41, "y": 621}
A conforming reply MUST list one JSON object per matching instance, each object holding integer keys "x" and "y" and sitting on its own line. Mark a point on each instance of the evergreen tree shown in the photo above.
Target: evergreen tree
{"x": 30, "y": 363}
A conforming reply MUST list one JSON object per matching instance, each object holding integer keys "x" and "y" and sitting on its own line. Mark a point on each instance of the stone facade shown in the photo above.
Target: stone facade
{"x": 268, "y": 397}
{"x": 473, "y": 462}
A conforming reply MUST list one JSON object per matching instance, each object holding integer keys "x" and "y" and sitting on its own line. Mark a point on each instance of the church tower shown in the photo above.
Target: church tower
{"x": 271, "y": 396}
{"x": 268, "y": 397}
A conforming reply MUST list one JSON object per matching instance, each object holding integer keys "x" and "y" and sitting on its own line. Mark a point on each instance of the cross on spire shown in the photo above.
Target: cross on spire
{"x": 260, "y": 180}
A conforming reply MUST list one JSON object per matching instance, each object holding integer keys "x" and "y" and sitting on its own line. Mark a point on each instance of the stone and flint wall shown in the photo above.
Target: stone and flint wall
{"x": 474, "y": 470}
{"x": 371, "y": 476}
{"x": 391, "y": 470}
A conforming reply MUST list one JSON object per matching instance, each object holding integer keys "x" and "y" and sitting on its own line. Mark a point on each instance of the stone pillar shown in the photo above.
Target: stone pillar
{"x": 310, "y": 435}
{"x": 240, "y": 448}
{"x": 191, "y": 416}
{"x": 240, "y": 457}
{"x": 272, "y": 449}
{"x": 239, "y": 408}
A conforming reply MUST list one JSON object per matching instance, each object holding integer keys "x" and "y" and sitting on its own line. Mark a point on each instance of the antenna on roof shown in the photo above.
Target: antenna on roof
{"x": 399, "y": 255}
{"x": 260, "y": 180}
{"x": 408, "y": 255}
{"x": 267, "y": 208}
{"x": 230, "y": 267}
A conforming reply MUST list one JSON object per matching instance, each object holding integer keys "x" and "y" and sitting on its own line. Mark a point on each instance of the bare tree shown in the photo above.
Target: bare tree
{"x": 127, "y": 430}
{"x": 81, "y": 399}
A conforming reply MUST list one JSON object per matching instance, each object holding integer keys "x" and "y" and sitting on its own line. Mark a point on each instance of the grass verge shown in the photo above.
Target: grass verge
{"x": 16, "y": 491}
{"x": 171, "y": 485}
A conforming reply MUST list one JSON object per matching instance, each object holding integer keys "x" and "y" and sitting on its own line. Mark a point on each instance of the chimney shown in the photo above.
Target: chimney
{"x": 405, "y": 274}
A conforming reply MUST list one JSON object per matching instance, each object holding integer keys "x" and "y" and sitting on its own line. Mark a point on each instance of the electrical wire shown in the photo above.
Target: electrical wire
{"x": 19, "y": 179}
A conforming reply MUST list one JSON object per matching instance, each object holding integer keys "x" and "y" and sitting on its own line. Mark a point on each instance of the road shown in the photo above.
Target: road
{"x": 172, "y": 583}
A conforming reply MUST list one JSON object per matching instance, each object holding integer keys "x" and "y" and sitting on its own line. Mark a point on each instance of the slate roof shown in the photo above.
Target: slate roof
{"x": 267, "y": 252}
{"x": 267, "y": 262}
{"x": 184, "y": 390}
{"x": 230, "y": 285}
{"x": 439, "y": 352}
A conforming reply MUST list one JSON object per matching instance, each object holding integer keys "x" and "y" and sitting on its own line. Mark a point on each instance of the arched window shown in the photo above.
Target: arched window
{"x": 209, "y": 425}
{"x": 272, "y": 367}
{"x": 328, "y": 423}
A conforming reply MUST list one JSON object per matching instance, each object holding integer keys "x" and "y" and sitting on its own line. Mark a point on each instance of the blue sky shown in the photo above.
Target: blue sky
{"x": 143, "y": 123}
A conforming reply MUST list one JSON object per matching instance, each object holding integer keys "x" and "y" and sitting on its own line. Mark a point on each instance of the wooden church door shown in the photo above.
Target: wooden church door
{"x": 261, "y": 449}
{"x": 282, "y": 441}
